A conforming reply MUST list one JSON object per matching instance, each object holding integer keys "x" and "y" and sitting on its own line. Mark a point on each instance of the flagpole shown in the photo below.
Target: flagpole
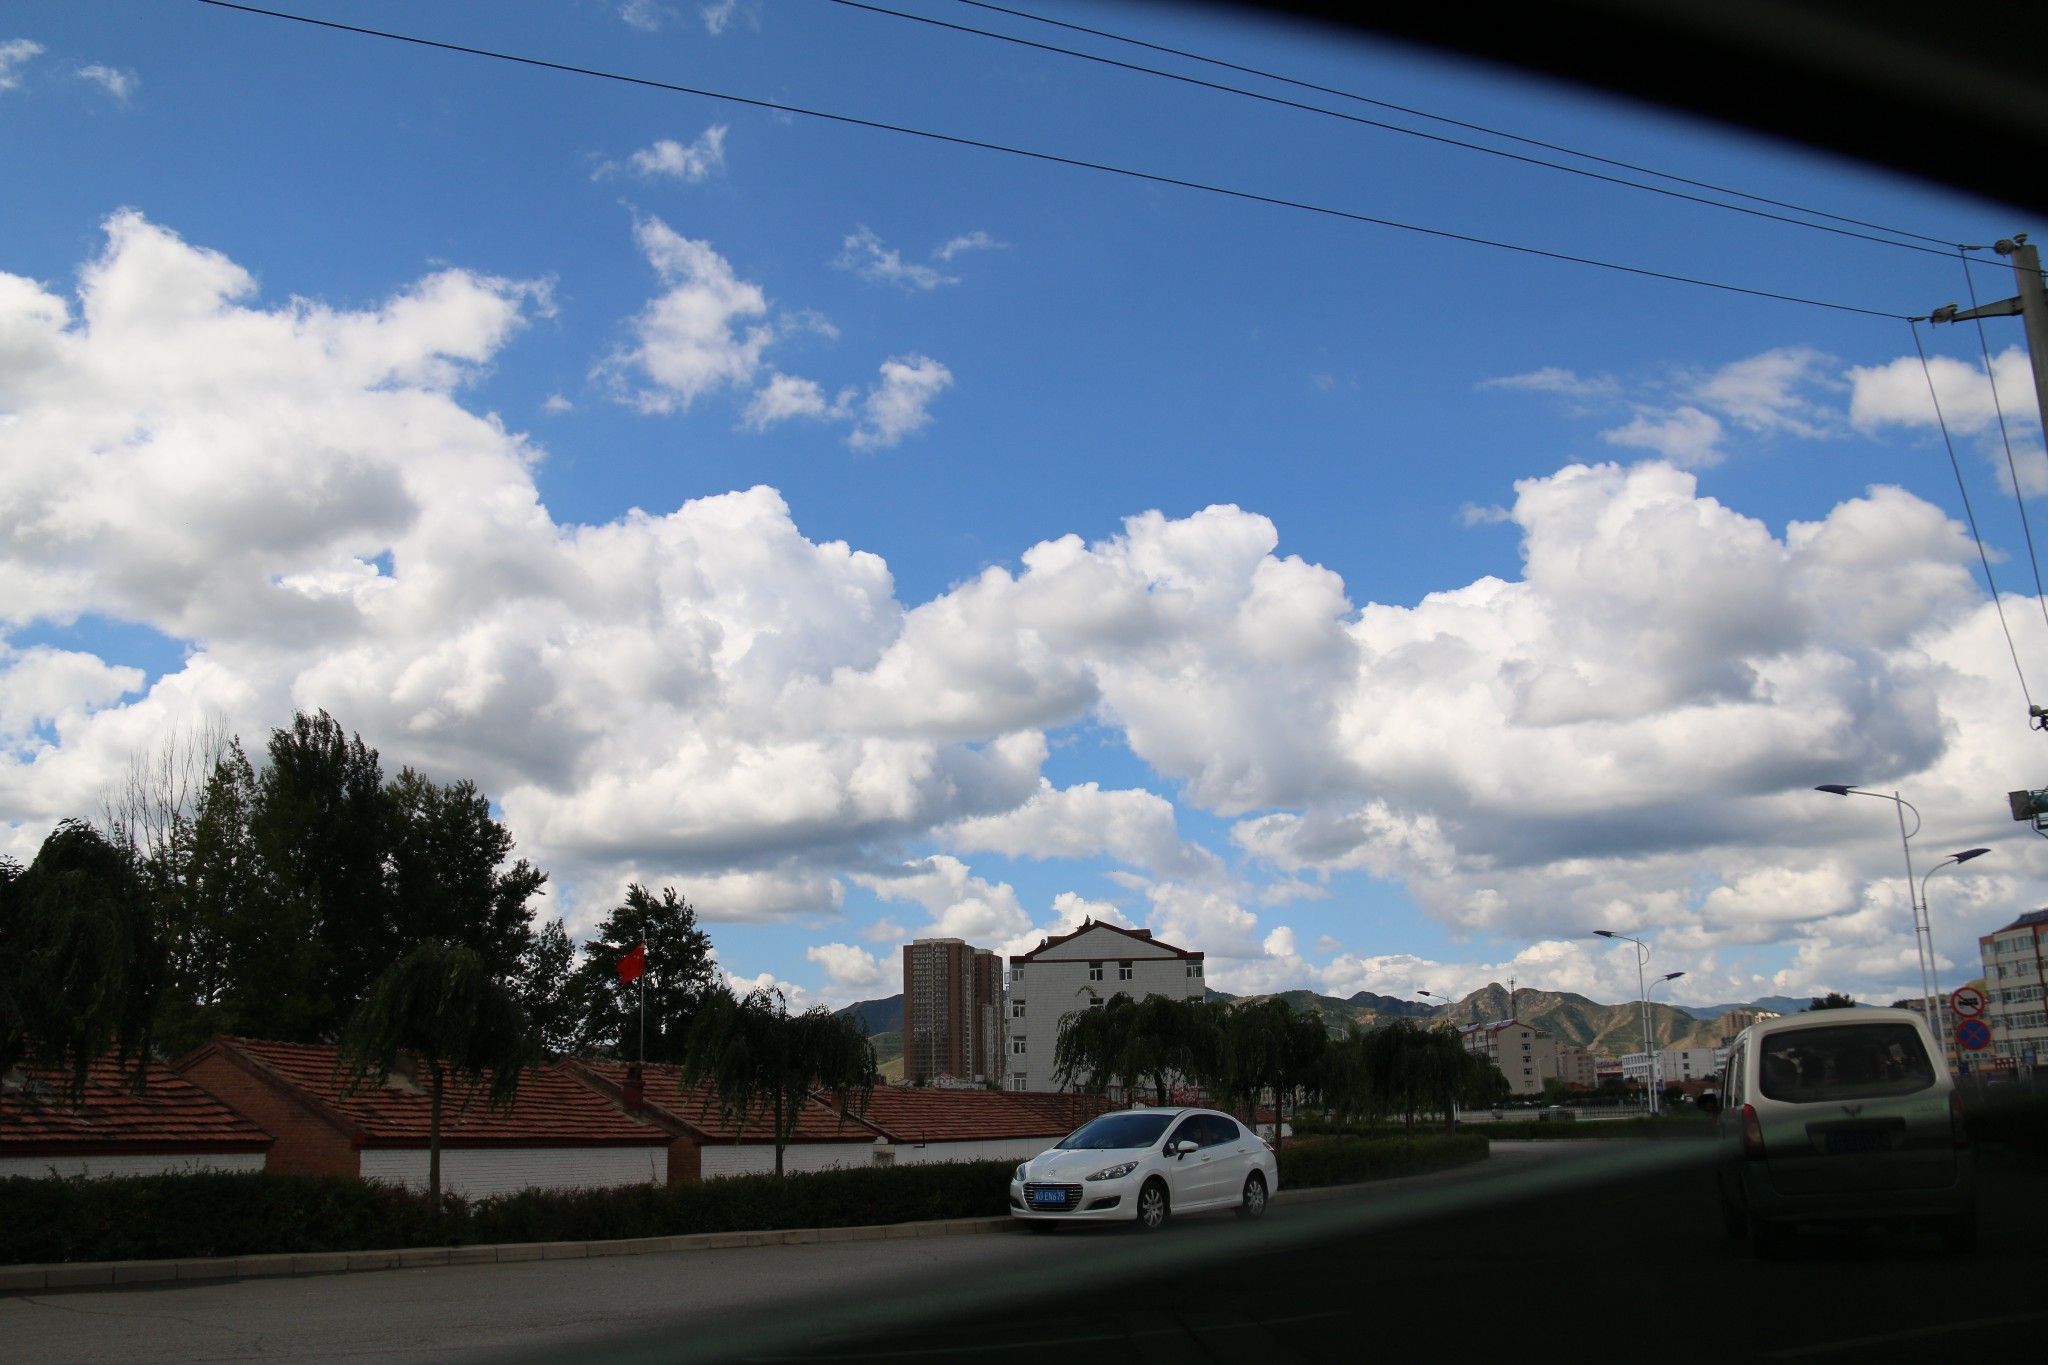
{"x": 643, "y": 1011}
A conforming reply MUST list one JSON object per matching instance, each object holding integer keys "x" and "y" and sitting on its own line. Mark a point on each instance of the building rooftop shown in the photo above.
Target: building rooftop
{"x": 1089, "y": 926}
{"x": 2031, "y": 920}
{"x": 38, "y": 1116}
{"x": 695, "y": 1110}
{"x": 552, "y": 1107}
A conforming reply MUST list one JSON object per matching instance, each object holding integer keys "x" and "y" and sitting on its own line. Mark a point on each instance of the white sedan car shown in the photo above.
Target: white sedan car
{"x": 1145, "y": 1165}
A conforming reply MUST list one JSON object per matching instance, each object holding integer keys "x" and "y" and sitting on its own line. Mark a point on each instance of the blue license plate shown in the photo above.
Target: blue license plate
{"x": 1854, "y": 1144}
{"x": 1058, "y": 1197}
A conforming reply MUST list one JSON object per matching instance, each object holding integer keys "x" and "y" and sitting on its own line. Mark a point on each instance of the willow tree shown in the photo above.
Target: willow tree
{"x": 756, "y": 1056}
{"x": 439, "y": 1010}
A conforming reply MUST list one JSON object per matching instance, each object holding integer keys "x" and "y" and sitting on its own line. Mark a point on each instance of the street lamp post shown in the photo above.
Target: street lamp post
{"x": 1922, "y": 939}
{"x": 1643, "y": 997}
{"x": 1443, "y": 1000}
{"x": 1927, "y": 924}
{"x": 1655, "y": 1056}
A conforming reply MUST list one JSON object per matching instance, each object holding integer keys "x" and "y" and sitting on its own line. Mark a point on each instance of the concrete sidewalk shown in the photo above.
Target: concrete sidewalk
{"x": 35, "y": 1279}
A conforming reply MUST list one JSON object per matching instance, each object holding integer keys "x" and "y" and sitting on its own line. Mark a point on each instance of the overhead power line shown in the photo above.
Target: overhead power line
{"x": 1050, "y": 158}
{"x": 1425, "y": 114}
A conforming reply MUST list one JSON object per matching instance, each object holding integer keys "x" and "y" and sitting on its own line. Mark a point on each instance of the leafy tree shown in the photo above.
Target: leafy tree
{"x": 1833, "y": 1000}
{"x": 756, "y": 1055}
{"x": 447, "y": 871}
{"x": 680, "y": 975}
{"x": 82, "y": 963}
{"x": 441, "y": 1008}
{"x": 222, "y": 948}
{"x": 319, "y": 826}
{"x": 545, "y": 985}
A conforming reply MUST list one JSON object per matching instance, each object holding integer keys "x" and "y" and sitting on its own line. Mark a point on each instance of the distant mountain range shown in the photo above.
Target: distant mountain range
{"x": 1572, "y": 1019}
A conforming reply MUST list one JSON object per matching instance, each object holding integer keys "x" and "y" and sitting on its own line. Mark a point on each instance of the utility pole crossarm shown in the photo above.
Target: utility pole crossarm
{"x": 2004, "y": 308}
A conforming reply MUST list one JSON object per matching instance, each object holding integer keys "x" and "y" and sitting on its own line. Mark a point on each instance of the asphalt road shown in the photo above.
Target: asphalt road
{"x": 1612, "y": 1244}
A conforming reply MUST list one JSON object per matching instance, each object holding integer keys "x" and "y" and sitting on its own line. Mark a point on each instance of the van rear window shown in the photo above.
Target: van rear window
{"x": 1843, "y": 1062}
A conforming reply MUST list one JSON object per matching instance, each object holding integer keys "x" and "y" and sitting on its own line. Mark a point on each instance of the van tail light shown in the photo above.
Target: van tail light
{"x": 1958, "y": 1125}
{"x": 1752, "y": 1132}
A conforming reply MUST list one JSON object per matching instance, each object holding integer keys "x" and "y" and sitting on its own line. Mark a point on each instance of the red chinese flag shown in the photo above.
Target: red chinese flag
{"x": 633, "y": 965}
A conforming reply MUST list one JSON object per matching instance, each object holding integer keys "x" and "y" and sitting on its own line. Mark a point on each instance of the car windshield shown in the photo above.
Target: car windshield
{"x": 1117, "y": 1132}
{"x": 1844, "y": 1062}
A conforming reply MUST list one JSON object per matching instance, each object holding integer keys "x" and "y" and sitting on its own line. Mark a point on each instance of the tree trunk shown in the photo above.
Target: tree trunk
{"x": 778, "y": 1135}
{"x": 434, "y": 1146}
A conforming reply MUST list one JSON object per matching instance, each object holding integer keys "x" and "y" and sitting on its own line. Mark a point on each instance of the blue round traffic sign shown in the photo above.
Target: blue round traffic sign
{"x": 1973, "y": 1035}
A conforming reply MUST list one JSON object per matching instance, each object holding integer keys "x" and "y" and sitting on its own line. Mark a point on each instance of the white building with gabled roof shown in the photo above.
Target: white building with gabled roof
{"x": 1082, "y": 970}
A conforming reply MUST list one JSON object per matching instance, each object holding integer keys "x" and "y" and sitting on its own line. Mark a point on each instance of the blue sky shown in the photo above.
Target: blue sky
{"x": 1370, "y": 610}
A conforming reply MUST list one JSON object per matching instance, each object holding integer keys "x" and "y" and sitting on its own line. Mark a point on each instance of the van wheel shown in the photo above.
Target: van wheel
{"x": 1959, "y": 1235}
{"x": 1733, "y": 1219}
{"x": 1153, "y": 1207}
{"x": 1767, "y": 1240}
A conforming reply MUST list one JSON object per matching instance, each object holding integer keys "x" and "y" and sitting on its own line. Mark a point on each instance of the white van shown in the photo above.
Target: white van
{"x": 1843, "y": 1117}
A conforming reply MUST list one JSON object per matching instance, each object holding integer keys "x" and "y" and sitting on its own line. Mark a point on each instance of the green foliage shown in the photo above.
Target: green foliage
{"x": 1347, "y": 1160}
{"x": 756, "y": 1055}
{"x": 681, "y": 974}
{"x": 448, "y": 873}
{"x": 251, "y": 1213}
{"x": 1833, "y": 1000}
{"x": 545, "y": 984}
{"x": 1690, "y": 1125}
{"x": 81, "y": 965}
{"x": 442, "y": 1009}
{"x": 1403, "y": 1070}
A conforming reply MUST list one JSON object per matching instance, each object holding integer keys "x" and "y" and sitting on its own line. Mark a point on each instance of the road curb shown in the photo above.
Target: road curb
{"x": 69, "y": 1275}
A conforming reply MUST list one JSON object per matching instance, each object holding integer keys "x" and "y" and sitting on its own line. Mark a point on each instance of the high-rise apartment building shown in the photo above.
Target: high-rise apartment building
{"x": 952, "y": 1012}
{"x": 2015, "y": 971}
{"x": 1523, "y": 1053}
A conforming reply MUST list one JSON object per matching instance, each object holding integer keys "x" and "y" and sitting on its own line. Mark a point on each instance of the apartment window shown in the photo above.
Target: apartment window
{"x": 1123, "y": 971}
{"x": 1016, "y": 973}
{"x": 1096, "y": 1003}
{"x": 1017, "y": 1082}
{"x": 1017, "y": 1046}
{"x": 1194, "y": 969}
{"x": 1016, "y": 1009}
{"x": 1095, "y": 971}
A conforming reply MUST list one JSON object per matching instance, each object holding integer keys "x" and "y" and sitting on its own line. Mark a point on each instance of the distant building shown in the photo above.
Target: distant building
{"x": 111, "y": 1129}
{"x": 1735, "y": 1021}
{"x": 1523, "y": 1053}
{"x": 1083, "y": 970}
{"x": 2013, "y": 977}
{"x": 1577, "y": 1068}
{"x": 1944, "y": 1014}
{"x": 952, "y": 998}
{"x": 1675, "y": 1065}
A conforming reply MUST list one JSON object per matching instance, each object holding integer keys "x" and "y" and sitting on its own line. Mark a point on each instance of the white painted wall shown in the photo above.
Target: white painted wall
{"x": 1059, "y": 982}
{"x": 477, "y": 1172}
{"x": 130, "y": 1163}
{"x": 1002, "y": 1149}
{"x": 758, "y": 1158}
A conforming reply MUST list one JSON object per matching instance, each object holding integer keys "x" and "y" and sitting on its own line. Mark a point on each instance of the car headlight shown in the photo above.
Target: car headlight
{"x": 1020, "y": 1175}
{"x": 1115, "y": 1172}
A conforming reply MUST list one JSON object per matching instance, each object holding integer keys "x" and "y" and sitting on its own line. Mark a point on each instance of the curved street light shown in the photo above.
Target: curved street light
{"x": 1922, "y": 939}
{"x": 1927, "y": 923}
{"x": 1643, "y": 998}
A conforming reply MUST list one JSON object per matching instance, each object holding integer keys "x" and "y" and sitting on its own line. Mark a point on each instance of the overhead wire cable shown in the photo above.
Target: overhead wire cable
{"x": 862, "y": 5}
{"x": 1970, "y": 513}
{"x": 1050, "y": 158}
{"x": 1448, "y": 121}
{"x": 2019, "y": 496}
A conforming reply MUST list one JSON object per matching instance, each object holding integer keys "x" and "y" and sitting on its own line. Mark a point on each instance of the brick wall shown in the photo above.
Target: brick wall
{"x": 685, "y": 1161}
{"x": 307, "y": 1144}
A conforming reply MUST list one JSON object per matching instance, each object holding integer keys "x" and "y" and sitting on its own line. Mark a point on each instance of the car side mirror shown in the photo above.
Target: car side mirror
{"x": 1184, "y": 1146}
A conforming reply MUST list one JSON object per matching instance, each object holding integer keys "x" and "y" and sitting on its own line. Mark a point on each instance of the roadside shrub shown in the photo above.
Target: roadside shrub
{"x": 1348, "y": 1160}
{"x": 256, "y": 1212}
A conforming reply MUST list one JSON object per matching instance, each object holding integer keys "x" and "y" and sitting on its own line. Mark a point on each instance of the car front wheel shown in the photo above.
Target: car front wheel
{"x": 1153, "y": 1208}
{"x": 1253, "y": 1205}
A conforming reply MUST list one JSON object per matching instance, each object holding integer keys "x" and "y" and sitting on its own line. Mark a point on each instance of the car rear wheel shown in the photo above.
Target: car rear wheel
{"x": 1153, "y": 1207}
{"x": 1253, "y": 1205}
{"x": 1959, "y": 1235}
{"x": 1733, "y": 1218}
{"x": 1766, "y": 1240}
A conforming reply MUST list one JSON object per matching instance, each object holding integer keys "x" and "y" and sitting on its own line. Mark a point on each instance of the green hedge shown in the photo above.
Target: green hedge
{"x": 1690, "y": 1126}
{"x": 1308, "y": 1162}
{"x": 250, "y": 1213}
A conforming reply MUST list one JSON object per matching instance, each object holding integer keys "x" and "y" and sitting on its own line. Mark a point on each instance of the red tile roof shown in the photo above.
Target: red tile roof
{"x": 933, "y": 1114}
{"x": 553, "y": 1108}
{"x": 38, "y": 1117}
{"x": 696, "y": 1110}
